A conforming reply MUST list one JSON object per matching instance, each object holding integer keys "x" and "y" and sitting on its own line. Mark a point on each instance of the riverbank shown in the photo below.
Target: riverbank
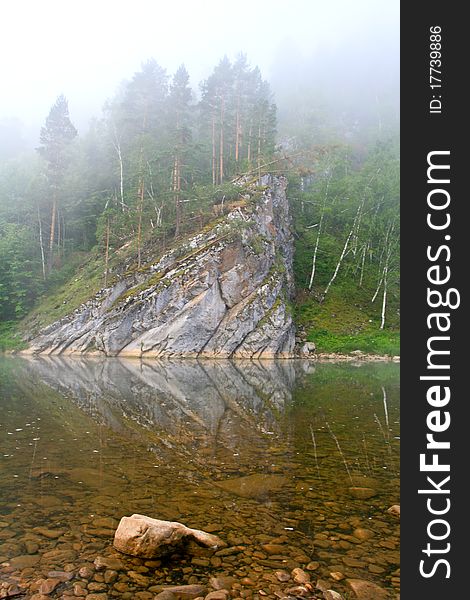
{"x": 356, "y": 356}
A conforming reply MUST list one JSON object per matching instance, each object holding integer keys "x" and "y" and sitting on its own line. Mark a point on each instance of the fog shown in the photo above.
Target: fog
{"x": 85, "y": 48}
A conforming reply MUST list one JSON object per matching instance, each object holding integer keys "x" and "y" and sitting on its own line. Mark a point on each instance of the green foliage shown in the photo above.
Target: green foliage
{"x": 10, "y": 337}
{"x": 19, "y": 285}
{"x": 370, "y": 342}
{"x": 347, "y": 212}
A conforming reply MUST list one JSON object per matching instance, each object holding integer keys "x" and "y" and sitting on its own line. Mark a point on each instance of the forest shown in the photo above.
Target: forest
{"x": 159, "y": 165}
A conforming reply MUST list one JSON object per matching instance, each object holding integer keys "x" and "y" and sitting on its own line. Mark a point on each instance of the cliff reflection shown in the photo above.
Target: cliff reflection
{"x": 221, "y": 401}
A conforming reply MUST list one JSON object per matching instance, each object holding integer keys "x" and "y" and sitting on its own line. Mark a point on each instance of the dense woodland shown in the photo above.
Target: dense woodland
{"x": 158, "y": 165}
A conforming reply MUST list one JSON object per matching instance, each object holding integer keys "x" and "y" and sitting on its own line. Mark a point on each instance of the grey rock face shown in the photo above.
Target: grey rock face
{"x": 224, "y": 293}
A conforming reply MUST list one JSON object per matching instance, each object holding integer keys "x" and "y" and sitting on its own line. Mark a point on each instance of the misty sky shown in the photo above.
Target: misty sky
{"x": 85, "y": 48}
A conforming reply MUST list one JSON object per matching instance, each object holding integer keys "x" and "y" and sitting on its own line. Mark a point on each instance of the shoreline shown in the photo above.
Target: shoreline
{"x": 314, "y": 357}
{"x": 355, "y": 357}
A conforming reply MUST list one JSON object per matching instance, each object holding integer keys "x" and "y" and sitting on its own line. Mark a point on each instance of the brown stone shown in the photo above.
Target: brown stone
{"x": 257, "y": 485}
{"x": 145, "y": 537}
{"x": 165, "y": 595}
{"x": 273, "y": 548}
{"x": 61, "y": 575}
{"x": 300, "y": 576}
{"x": 366, "y": 590}
{"x": 48, "y": 586}
{"x": 218, "y": 595}
{"x": 107, "y": 562}
{"x": 221, "y": 582}
{"x": 363, "y": 534}
{"x": 362, "y": 493}
{"x": 332, "y": 595}
{"x": 183, "y": 592}
{"x": 110, "y": 576}
{"x": 52, "y": 534}
{"x": 24, "y": 561}
{"x": 282, "y": 576}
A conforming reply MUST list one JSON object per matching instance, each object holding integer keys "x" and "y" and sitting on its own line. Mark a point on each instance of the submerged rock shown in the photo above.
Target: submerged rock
{"x": 254, "y": 486}
{"x": 181, "y": 592}
{"x": 145, "y": 537}
{"x": 362, "y": 493}
{"x": 366, "y": 590}
{"x": 394, "y": 510}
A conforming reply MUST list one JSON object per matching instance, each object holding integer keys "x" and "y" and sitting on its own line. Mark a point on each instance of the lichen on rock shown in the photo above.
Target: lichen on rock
{"x": 225, "y": 293}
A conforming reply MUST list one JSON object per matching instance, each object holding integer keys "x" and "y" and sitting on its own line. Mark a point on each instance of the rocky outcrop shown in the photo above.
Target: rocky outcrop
{"x": 223, "y": 293}
{"x": 139, "y": 535}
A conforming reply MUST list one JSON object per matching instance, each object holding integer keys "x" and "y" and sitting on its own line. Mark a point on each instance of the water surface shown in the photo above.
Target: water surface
{"x": 293, "y": 465}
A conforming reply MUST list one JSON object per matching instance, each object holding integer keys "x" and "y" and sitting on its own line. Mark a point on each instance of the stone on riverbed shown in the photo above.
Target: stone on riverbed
{"x": 394, "y": 510}
{"x": 366, "y": 590}
{"x": 256, "y": 485}
{"x": 143, "y": 536}
{"x": 181, "y": 592}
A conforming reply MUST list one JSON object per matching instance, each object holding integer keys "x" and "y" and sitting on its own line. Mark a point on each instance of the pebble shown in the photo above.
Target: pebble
{"x": 185, "y": 592}
{"x": 366, "y": 590}
{"x": 300, "y": 576}
{"x": 362, "y": 493}
{"x": 48, "y": 586}
{"x": 218, "y": 595}
{"x": 332, "y": 595}
{"x": 24, "y": 561}
{"x": 282, "y": 576}
{"x": 102, "y": 562}
{"x": 61, "y": 575}
{"x": 222, "y": 582}
{"x": 363, "y": 534}
{"x": 86, "y": 572}
{"x": 273, "y": 548}
{"x": 165, "y": 595}
{"x": 31, "y": 547}
{"x": 49, "y": 533}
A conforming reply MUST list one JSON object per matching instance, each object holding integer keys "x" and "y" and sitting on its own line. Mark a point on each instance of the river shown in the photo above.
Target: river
{"x": 293, "y": 465}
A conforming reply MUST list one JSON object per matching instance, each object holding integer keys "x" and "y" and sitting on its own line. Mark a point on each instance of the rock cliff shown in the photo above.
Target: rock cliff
{"x": 223, "y": 293}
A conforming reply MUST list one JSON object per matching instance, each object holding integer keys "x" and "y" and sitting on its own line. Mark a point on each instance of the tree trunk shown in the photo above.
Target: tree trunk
{"x": 221, "y": 145}
{"x": 59, "y": 232}
{"x": 139, "y": 223}
{"x": 343, "y": 253}
{"x": 314, "y": 260}
{"x": 106, "y": 256}
{"x": 52, "y": 232}
{"x": 237, "y": 129}
{"x": 121, "y": 177}
{"x": 176, "y": 194}
{"x": 362, "y": 263}
{"x": 213, "y": 152}
{"x": 384, "y": 299}
{"x": 41, "y": 245}
{"x": 250, "y": 133}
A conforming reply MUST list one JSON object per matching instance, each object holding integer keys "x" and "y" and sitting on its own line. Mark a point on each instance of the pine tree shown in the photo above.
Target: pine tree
{"x": 56, "y": 137}
{"x": 180, "y": 133}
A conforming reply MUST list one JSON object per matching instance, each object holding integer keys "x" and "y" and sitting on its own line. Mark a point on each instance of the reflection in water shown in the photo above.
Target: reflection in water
{"x": 291, "y": 465}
